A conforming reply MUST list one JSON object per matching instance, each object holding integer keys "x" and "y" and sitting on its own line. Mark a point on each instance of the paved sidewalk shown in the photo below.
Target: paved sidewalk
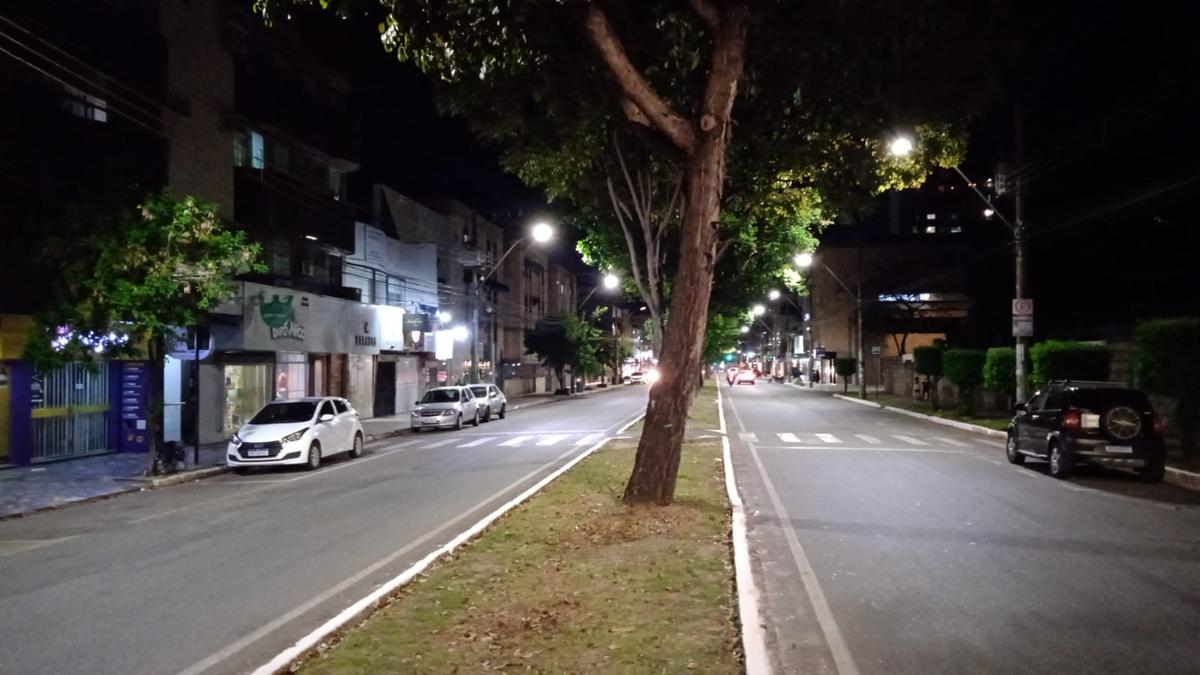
{"x": 42, "y": 486}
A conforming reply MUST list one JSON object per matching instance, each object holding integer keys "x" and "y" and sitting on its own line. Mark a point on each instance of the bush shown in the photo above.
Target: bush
{"x": 1164, "y": 362}
{"x": 1063, "y": 360}
{"x": 999, "y": 370}
{"x": 927, "y": 361}
{"x": 845, "y": 367}
{"x": 964, "y": 367}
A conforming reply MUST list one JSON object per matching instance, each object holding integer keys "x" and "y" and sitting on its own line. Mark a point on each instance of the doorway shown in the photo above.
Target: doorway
{"x": 385, "y": 389}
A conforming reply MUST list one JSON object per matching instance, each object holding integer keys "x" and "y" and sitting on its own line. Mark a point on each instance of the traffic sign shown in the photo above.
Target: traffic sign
{"x": 875, "y": 350}
{"x": 1022, "y": 326}
{"x": 1022, "y": 307}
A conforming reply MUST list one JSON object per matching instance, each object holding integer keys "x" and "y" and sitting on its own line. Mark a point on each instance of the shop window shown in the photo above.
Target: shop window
{"x": 291, "y": 375}
{"x": 247, "y": 390}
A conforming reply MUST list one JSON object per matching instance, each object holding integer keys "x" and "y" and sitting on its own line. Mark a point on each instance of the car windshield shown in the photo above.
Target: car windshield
{"x": 282, "y": 413}
{"x": 479, "y": 391}
{"x": 440, "y": 396}
{"x": 1099, "y": 400}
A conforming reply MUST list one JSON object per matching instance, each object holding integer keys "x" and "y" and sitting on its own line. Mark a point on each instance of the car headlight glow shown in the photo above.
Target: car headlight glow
{"x": 449, "y": 413}
{"x": 651, "y": 377}
{"x": 294, "y": 436}
{"x": 416, "y": 413}
{"x": 236, "y": 440}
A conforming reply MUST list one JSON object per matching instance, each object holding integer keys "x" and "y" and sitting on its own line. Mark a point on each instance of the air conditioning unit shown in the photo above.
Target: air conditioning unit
{"x": 306, "y": 268}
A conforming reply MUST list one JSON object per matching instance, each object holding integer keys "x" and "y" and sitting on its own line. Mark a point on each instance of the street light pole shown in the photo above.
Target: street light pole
{"x": 806, "y": 260}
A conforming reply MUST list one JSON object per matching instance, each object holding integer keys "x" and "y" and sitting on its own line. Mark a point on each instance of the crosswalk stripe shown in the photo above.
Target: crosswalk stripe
{"x": 829, "y": 438}
{"x": 909, "y": 439}
{"x": 747, "y": 436}
{"x": 519, "y": 440}
{"x": 438, "y": 444}
{"x": 788, "y": 438}
{"x": 552, "y": 439}
{"x": 481, "y": 441}
{"x": 589, "y": 439}
{"x": 869, "y": 439}
{"x": 405, "y": 444}
{"x": 951, "y": 441}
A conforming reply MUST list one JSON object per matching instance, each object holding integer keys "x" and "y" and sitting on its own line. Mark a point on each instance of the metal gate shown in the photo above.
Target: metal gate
{"x": 70, "y": 411}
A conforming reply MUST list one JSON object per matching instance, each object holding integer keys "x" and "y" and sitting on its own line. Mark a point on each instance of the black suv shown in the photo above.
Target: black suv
{"x": 1074, "y": 422}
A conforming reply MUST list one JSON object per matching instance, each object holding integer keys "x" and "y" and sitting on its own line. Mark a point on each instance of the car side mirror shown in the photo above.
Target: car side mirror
{"x": 326, "y": 417}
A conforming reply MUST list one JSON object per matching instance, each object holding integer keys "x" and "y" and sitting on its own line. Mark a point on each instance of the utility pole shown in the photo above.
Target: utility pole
{"x": 862, "y": 366}
{"x": 475, "y": 299}
{"x": 1019, "y": 251}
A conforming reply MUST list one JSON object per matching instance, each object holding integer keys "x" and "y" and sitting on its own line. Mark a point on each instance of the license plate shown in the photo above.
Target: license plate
{"x": 429, "y": 422}
{"x": 1119, "y": 449}
{"x": 257, "y": 453}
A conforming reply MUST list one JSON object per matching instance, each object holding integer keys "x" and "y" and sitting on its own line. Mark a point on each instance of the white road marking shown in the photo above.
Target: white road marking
{"x": 846, "y": 448}
{"x": 514, "y": 442}
{"x": 789, "y": 438}
{"x": 438, "y": 444}
{"x": 951, "y": 441}
{"x": 552, "y": 439}
{"x": 747, "y": 436}
{"x": 481, "y": 441}
{"x": 909, "y": 439}
{"x": 21, "y": 545}
{"x": 829, "y": 438}
{"x": 869, "y": 439}
{"x": 589, "y": 439}
{"x": 405, "y": 444}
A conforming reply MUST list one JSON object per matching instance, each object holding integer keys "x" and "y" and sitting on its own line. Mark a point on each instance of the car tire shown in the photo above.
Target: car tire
{"x": 1013, "y": 450}
{"x": 502, "y": 411}
{"x": 487, "y": 417}
{"x": 458, "y": 422}
{"x": 356, "y": 450}
{"x": 1060, "y": 461}
{"x": 1154, "y": 471}
{"x": 314, "y": 456}
{"x": 475, "y": 420}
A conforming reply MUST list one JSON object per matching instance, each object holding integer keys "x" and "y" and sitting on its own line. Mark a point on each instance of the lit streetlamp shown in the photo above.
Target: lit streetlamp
{"x": 901, "y": 146}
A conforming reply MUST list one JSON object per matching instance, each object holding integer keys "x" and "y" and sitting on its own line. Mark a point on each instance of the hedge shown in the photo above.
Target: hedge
{"x": 845, "y": 367}
{"x": 1064, "y": 360}
{"x": 999, "y": 370}
{"x": 964, "y": 367}
{"x": 1164, "y": 362}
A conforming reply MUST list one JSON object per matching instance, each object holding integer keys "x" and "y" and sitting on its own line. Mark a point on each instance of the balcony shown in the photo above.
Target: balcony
{"x": 268, "y": 202}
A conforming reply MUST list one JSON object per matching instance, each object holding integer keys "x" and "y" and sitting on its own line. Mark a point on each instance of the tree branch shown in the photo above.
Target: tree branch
{"x": 708, "y": 13}
{"x": 633, "y": 85}
{"x": 618, "y": 207}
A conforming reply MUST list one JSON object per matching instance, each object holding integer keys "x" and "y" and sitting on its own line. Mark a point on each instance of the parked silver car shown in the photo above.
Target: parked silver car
{"x": 446, "y": 408}
{"x": 493, "y": 401}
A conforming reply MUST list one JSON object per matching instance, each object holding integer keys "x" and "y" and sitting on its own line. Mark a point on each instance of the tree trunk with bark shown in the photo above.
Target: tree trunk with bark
{"x": 154, "y": 402}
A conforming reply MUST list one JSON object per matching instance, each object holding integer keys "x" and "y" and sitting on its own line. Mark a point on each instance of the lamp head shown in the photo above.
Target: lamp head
{"x": 542, "y": 232}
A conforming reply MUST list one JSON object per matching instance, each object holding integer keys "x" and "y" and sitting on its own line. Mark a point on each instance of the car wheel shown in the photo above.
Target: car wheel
{"x": 458, "y": 421}
{"x": 1013, "y": 450}
{"x": 475, "y": 420}
{"x": 502, "y": 411}
{"x": 1154, "y": 471}
{"x": 487, "y": 417}
{"x": 314, "y": 456}
{"x": 1060, "y": 461}
{"x": 356, "y": 450}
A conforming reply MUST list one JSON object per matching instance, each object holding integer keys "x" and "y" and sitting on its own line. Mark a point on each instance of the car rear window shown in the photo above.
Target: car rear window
{"x": 281, "y": 413}
{"x": 1099, "y": 400}
{"x": 479, "y": 391}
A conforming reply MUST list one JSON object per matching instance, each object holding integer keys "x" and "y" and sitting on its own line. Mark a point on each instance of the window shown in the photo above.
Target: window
{"x": 327, "y": 409}
{"x": 85, "y": 107}
{"x": 930, "y": 216}
{"x": 342, "y": 406}
{"x": 1054, "y": 400}
{"x": 257, "y": 155}
{"x": 280, "y": 157}
{"x": 337, "y": 183}
{"x": 1037, "y": 401}
{"x": 282, "y": 413}
{"x": 931, "y": 229}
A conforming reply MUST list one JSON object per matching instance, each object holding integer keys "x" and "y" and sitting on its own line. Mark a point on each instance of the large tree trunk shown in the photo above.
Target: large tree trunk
{"x": 657, "y": 462}
{"x": 154, "y": 402}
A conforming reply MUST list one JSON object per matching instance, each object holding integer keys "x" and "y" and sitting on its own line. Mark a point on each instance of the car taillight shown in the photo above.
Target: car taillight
{"x": 1072, "y": 419}
{"x": 1159, "y": 424}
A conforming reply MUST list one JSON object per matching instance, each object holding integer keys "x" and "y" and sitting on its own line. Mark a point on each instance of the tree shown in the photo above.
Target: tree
{"x": 1066, "y": 360}
{"x": 927, "y": 361}
{"x": 821, "y": 88}
{"x": 845, "y": 366}
{"x": 964, "y": 367}
{"x": 129, "y": 279}
{"x": 563, "y": 341}
{"x": 1164, "y": 362}
{"x": 611, "y": 352}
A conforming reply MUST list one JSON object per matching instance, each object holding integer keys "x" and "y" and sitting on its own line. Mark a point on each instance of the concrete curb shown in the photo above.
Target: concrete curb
{"x": 750, "y": 618}
{"x": 965, "y": 426}
{"x": 1184, "y": 479}
{"x": 183, "y": 477}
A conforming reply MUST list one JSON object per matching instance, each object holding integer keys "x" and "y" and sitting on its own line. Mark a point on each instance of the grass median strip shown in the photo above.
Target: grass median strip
{"x": 573, "y": 581}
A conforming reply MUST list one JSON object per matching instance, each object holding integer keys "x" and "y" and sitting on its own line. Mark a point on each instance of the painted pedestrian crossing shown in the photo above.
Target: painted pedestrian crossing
{"x": 481, "y": 441}
{"x": 829, "y": 438}
{"x": 951, "y": 441}
{"x": 551, "y": 439}
{"x": 869, "y": 439}
{"x": 813, "y": 438}
{"x": 789, "y": 438}
{"x": 910, "y": 440}
{"x": 590, "y": 439}
{"x": 514, "y": 442}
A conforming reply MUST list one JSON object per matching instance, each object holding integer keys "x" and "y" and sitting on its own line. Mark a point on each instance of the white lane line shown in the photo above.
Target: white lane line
{"x": 951, "y": 441}
{"x": 909, "y": 439}
{"x": 22, "y": 545}
{"x": 843, "y": 660}
{"x": 481, "y": 441}
{"x": 552, "y": 439}
{"x": 589, "y": 439}
{"x": 405, "y": 444}
{"x": 747, "y": 436}
{"x": 285, "y": 658}
{"x": 873, "y": 448}
{"x": 514, "y": 442}
{"x": 438, "y": 444}
{"x": 829, "y": 438}
{"x": 789, "y": 438}
{"x": 868, "y": 439}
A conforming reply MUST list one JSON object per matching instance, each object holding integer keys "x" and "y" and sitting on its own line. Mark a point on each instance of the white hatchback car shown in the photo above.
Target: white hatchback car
{"x": 297, "y": 432}
{"x": 491, "y": 399}
{"x": 447, "y": 407}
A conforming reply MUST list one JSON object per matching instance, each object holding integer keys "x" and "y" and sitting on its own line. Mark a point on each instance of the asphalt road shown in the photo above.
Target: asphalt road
{"x": 222, "y": 574}
{"x": 888, "y": 544}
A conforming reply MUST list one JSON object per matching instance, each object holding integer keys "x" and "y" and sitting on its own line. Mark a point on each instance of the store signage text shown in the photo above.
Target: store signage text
{"x": 280, "y": 317}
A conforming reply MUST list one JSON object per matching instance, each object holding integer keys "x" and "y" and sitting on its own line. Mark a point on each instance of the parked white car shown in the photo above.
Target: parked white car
{"x": 493, "y": 401}
{"x": 446, "y": 408}
{"x": 297, "y": 432}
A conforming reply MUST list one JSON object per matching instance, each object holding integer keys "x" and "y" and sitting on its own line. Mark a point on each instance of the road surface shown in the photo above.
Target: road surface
{"x": 222, "y": 574}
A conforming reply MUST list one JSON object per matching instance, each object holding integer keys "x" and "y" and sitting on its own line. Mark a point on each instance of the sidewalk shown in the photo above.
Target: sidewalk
{"x": 44, "y": 486}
